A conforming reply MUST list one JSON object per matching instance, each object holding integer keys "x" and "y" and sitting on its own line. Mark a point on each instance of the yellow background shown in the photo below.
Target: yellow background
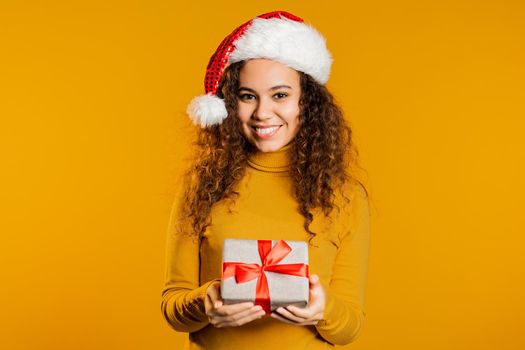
{"x": 93, "y": 134}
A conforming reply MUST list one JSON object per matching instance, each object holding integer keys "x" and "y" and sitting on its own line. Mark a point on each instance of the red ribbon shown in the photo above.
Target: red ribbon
{"x": 270, "y": 258}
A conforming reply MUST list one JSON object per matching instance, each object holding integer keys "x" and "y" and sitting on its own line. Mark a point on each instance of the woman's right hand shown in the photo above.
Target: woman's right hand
{"x": 233, "y": 315}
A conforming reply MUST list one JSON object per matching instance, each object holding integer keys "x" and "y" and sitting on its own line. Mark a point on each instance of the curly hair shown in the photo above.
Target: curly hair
{"x": 320, "y": 157}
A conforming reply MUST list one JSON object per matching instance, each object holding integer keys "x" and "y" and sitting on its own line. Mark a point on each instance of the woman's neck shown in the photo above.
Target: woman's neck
{"x": 273, "y": 162}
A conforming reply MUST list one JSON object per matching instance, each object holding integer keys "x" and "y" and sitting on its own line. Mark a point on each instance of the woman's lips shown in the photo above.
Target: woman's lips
{"x": 266, "y": 132}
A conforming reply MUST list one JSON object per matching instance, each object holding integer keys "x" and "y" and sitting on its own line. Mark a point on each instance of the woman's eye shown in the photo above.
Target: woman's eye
{"x": 280, "y": 95}
{"x": 246, "y": 96}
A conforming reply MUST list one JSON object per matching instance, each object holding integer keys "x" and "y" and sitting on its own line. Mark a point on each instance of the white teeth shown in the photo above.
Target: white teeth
{"x": 266, "y": 130}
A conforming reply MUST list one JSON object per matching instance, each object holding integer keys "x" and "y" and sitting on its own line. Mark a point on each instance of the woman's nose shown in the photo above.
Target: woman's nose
{"x": 263, "y": 110}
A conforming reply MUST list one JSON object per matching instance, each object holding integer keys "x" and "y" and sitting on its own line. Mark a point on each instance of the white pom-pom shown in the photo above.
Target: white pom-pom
{"x": 207, "y": 110}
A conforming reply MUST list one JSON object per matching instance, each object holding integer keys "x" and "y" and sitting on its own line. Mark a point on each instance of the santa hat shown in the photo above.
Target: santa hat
{"x": 279, "y": 36}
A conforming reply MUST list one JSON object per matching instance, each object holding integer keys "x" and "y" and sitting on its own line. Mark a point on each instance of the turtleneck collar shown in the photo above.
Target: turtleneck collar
{"x": 271, "y": 162}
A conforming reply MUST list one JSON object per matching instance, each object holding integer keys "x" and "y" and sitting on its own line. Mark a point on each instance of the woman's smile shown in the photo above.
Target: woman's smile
{"x": 266, "y": 132}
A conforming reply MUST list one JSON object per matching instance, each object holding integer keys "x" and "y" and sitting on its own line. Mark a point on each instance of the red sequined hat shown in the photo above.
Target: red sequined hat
{"x": 278, "y": 35}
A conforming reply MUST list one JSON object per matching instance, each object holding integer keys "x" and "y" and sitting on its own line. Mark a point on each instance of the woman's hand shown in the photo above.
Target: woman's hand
{"x": 234, "y": 315}
{"x": 309, "y": 315}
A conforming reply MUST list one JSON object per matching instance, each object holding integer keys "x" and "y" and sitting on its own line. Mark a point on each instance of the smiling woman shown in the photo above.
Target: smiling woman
{"x": 273, "y": 161}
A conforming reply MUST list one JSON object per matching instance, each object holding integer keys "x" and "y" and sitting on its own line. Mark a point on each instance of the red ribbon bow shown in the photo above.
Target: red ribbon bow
{"x": 270, "y": 258}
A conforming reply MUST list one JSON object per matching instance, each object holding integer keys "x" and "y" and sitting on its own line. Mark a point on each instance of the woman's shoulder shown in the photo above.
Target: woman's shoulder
{"x": 354, "y": 190}
{"x": 354, "y": 207}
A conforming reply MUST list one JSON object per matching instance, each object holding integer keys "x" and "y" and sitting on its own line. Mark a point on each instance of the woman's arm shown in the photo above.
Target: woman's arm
{"x": 344, "y": 313}
{"x": 183, "y": 297}
{"x": 186, "y": 305}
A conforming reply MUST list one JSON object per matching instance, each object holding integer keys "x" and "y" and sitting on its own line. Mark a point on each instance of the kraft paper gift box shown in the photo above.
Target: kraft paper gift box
{"x": 268, "y": 273}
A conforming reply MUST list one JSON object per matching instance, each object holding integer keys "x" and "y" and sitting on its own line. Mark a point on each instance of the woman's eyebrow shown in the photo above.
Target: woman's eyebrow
{"x": 271, "y": 89}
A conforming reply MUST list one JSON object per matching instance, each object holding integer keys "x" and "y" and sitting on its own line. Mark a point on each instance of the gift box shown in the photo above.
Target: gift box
{"x": 268, "y": 273}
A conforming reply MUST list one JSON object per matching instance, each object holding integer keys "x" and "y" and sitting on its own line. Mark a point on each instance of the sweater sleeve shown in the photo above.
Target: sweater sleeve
{"x": 182, "y": 301}
{"x": 345, "y": 296}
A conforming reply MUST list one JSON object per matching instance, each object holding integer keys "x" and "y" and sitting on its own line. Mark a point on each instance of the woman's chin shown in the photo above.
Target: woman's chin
{"x": 269, "y": 146}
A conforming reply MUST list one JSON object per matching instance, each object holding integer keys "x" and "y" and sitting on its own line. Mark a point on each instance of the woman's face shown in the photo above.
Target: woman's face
{"x": 268, "y": 103}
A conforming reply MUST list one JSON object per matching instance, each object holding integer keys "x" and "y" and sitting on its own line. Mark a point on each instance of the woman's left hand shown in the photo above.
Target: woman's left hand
{"x": 309, "y": 315}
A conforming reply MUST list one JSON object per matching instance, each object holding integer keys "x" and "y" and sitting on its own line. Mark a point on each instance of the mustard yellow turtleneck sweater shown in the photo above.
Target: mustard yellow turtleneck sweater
{"x": 266, "y": 210}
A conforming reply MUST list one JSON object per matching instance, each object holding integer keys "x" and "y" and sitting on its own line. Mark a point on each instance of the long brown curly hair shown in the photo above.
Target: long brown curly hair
{"x": 320, "y": 157}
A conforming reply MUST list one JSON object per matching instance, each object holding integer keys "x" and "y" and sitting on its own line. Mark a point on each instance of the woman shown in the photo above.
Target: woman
{"x": 274, "y": 161}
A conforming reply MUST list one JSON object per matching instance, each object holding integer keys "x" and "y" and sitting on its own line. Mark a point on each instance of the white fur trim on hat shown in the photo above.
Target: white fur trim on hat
{"x": 207, "y": 110}
{"x": 295, "y": 44}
